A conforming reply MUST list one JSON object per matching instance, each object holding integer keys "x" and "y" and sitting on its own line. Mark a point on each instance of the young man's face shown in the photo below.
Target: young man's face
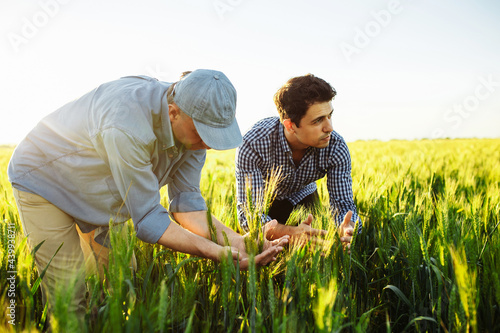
{"x": 184, "y": 130}
{"x": 315, "y": 127}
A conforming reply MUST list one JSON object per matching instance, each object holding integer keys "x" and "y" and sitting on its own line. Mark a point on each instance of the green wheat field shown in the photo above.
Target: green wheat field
{"x": 427, "y": 260}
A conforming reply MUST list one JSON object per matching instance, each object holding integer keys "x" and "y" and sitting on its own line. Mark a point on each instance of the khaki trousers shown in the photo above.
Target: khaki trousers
{"x": 42, "y": 221}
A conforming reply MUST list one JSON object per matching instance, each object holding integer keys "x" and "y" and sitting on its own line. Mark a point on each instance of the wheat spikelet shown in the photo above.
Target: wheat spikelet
{"x": 162, "y": 306}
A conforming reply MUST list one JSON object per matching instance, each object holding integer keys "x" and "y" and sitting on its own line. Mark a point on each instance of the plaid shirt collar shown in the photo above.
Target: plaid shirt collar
{"x": 285, "y": 147}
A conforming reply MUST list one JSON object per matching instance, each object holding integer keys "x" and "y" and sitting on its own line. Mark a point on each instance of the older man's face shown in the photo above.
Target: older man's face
{"x": 184, "y": 129}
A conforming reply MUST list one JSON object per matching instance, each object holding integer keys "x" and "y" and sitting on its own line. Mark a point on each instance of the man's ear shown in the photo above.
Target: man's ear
{"x": 173, "y": 111}
{"x": 288, "y": 125}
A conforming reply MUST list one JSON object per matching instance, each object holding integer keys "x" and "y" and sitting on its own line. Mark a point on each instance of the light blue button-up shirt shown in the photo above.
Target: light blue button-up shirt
{"x": 107, "y": 154}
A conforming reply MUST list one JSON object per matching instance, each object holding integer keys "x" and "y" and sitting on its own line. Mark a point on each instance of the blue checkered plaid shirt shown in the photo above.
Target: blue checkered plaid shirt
{"x": 265, "y": 148}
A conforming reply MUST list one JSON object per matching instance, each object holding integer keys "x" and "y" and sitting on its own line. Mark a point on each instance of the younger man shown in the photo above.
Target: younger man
{"x": 303, "y": 144}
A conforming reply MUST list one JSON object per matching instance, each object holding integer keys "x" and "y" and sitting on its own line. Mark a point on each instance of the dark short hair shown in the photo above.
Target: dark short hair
{"x": 295, "y": 97}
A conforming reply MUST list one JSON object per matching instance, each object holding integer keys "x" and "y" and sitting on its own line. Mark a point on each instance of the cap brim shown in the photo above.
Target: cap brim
{"x": 220, "y": 138}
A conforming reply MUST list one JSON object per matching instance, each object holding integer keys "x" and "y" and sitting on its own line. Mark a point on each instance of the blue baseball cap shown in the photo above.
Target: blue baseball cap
{"x": 209, "y": 98}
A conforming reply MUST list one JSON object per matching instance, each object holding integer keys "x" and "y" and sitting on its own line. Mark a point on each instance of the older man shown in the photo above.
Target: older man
{"x": 107, "y": 154}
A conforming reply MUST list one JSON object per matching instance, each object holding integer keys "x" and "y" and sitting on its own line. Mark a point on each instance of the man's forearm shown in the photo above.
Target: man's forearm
{"x": 179, "y": 239}
{"x": 197, "y": 222}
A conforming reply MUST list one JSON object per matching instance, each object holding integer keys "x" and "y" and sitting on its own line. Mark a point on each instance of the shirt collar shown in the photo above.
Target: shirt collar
{"x": 283, "y": 143}
{"x": 166, "y": 135}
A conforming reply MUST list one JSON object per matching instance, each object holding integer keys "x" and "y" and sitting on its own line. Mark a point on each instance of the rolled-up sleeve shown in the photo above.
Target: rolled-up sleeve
{"x": 131, "y": 169}
{"x": 184, "y": 187}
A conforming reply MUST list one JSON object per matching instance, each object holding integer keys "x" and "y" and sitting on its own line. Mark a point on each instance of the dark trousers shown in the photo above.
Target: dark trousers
{"x": 281, "y": 209}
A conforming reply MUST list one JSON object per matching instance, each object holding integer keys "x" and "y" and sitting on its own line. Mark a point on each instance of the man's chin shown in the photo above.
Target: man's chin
{"x": 323, "y": 143}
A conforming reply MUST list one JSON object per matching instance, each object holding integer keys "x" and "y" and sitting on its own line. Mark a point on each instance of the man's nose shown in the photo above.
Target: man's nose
{"x": 328, "y": 126}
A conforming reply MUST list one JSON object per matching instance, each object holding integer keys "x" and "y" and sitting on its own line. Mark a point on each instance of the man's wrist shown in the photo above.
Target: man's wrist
{"x": 210, "y": 250}
{"x": 238, "y": 242}
{"x": 281, "y": 230}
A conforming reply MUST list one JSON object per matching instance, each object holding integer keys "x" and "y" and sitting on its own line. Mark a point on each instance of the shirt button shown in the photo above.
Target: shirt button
{"x": 216, "y": 76}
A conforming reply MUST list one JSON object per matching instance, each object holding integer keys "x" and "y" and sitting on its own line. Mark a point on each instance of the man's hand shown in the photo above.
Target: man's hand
{"x": 193, "y": 238}
{"x": 269, "y": 253}
{"x": 302, "y": 233}
{"x": 346, "y": 230}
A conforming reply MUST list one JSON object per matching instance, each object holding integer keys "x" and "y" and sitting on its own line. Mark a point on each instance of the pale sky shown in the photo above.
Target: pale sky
{"x": 403, "y": 69}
